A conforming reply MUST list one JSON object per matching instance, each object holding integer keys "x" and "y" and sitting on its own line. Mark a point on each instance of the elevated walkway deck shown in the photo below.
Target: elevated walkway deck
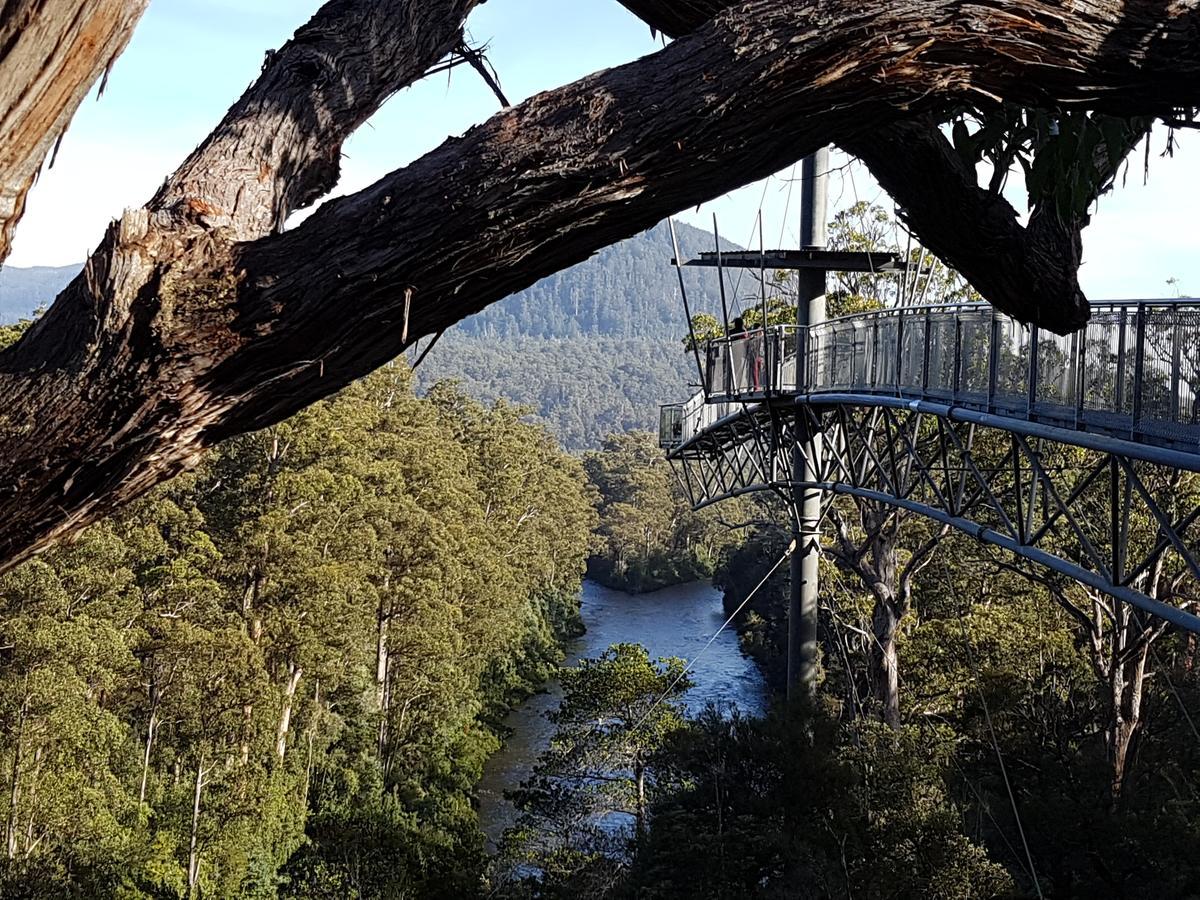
{"x": 898, "y": 397}
{"x": 1132, "y": 375}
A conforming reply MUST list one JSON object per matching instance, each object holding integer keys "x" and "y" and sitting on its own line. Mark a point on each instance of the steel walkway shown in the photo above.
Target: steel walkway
{"x": 1070, "y": 452}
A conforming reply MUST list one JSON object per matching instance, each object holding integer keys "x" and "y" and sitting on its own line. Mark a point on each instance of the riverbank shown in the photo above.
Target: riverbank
{"x": 674, "y": 621}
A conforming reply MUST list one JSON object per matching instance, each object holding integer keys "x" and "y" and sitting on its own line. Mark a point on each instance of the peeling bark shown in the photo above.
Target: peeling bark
{"x": 875, "y": 560}
{"x": 176, "y": 336}
{"x": 193, "y": 871}
{"x": 51, "y": 53}
{"x": 151, "y": 728}
{"x": 14, "y": 794}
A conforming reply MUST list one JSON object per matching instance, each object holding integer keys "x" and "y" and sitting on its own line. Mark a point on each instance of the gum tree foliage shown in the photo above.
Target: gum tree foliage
{"x": 282, "y": 673}
{"x": 648, "y": 535}
{"x": 585, "y": 809}
{"x": 1089, "y": 701}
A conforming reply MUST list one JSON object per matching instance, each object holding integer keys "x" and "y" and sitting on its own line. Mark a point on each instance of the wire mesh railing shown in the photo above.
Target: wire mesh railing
{"x": 1132, "y": 372}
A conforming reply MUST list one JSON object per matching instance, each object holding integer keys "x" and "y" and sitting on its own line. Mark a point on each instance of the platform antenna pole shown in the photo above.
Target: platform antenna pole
{"x": 678, "y": 260}
{"x": 807, "y": 447}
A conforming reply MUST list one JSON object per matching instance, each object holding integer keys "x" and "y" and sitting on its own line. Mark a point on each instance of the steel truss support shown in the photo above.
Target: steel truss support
{"x": 1102, "y": 517}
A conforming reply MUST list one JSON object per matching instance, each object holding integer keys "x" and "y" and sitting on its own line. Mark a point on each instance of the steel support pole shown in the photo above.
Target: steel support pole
{"x": 806, "y": 452}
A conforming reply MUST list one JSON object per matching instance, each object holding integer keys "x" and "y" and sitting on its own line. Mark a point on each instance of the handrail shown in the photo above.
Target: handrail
{"x": 1132, "y": 372}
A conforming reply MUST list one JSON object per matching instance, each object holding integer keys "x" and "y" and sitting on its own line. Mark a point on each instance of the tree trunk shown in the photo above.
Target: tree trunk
{"x": 14, "y": 794}
{"x": 383, "y": 620}
{"x": 150, "y": 728}
{"x": 285, "y": 715}
{"x": 885, "y": 663}
{"x": 175, "y": 337}
{"x": 30, "y": 800}
{"x": 253, "y": 622}
{"x": 51, "y": 53}
{"x": 639, "y": 777}
{"x": 890, "y": 605}
{"x": 193, "y": 854}
{"x": 312, "y": 733}
{"x": 383, "y": 663}
{"x": 1126, "y": 685}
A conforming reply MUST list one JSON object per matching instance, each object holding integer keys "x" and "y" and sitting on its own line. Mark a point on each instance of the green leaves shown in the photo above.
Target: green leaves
{"x": 342, "y": 601}
{"x": 648, "y": 536}
{"x": 587, "y": 805}
{"x": 1069, "y": 158}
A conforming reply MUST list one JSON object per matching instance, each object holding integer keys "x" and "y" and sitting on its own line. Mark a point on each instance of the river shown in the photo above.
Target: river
{"x": 676, "y": 621}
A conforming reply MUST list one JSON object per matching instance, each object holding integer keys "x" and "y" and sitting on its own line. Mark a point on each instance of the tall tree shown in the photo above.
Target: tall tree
{"x": 194, "y": 320}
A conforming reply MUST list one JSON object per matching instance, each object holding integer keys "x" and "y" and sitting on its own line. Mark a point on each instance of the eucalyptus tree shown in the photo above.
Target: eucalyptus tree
{"x": 195, "y": 319}
{"x": 586, "y": 807}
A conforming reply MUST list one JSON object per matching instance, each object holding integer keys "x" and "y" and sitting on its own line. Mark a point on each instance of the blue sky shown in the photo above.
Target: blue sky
{"x": 191, "y": 58}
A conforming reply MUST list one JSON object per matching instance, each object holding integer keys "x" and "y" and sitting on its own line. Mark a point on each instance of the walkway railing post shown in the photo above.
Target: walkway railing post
{"x": 925, "y": 357}
{"x": 807, "y": 447}
{"x": 1079, "y": 379}
{"x": 1031, "y": 386}
{"x": 956, "y": 377}
{"x": 1119, "y": 393}
{"x": 1176, "y": 365}
{"x": 1139, "y": 369}
{"x": 993, "y": 361}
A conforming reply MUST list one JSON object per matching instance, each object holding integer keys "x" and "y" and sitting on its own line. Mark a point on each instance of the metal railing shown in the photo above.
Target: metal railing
{"x": 1133, "y": 372}
{"x": 752, "y": 365}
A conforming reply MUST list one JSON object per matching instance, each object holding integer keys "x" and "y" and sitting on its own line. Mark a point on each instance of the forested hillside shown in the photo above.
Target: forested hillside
{"x": 280, "y": 675}
{"x": 648, "y": 535}
{"x": 593, "y": 350}
{"x": 582, "y": 389}
{"x": 627, "y": 290}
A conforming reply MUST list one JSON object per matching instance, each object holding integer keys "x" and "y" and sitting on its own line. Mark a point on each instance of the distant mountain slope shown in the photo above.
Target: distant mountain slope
{"x": 627, "y": 290}
{"x": 594, "y": 349}
{"x": 581, "y": 388}
{"x": 22, "y": 291}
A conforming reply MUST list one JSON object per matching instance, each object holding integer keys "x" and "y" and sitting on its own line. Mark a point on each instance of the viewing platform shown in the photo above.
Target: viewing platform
{"x": 1133, "y": 373}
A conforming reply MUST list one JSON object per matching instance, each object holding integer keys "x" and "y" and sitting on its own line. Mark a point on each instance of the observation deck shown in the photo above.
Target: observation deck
{"x": 1089, "y": 433}
{"x": 1133, "y": 374}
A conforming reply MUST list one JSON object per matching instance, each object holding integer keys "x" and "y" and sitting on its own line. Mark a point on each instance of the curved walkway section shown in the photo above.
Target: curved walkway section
{"x": 963, "y": 416}
{"x": 1132, "y": 374}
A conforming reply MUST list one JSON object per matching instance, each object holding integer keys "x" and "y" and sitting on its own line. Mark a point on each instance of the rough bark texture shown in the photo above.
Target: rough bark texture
{"x": 51, "y": 53}
{"x": 176, "y": 336}
{"x": 1030, "y": 273}
{"x": 278, "y": 148}
{"x": 1119, "y": 647}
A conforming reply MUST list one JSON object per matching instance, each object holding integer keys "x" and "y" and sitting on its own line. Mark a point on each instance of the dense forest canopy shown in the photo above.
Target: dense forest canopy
{"x": 196, "y": 320}
{"x": 283, "y": 672}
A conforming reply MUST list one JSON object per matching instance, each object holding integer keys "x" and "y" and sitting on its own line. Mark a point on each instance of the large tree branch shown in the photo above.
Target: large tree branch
{"x": 51, "y": 53}
{"x": 1030, "y": 273}
{"x": 278, "y": 148}
{"x": 176, "y": 338}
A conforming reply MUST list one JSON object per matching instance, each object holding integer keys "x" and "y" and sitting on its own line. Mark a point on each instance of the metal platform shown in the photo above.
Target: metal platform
{"x": 1063, "y": 451}
{"x": 1133, "y": 373}
{"x": 818, "y": 258}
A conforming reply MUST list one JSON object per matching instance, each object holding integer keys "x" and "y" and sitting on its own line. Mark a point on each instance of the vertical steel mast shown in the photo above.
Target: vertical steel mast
{"x": 806, "y": 454}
